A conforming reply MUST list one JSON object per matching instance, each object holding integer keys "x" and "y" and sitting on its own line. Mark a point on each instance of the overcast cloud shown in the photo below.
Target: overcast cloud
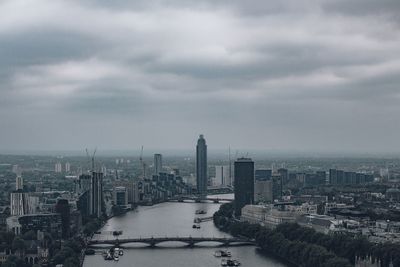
{"x": 287, "y": 75}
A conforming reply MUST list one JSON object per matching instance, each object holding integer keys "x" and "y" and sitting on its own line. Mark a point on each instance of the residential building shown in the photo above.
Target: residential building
{"x": 201, "y": 165}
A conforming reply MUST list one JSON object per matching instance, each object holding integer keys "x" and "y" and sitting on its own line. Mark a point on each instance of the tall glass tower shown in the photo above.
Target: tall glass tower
{"x": 244, "y": 184}
{"x": 201, "y": 165}
{"x": 157, "y": 164}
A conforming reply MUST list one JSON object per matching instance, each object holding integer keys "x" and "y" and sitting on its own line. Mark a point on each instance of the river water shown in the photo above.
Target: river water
{"x": 171, "y": 219}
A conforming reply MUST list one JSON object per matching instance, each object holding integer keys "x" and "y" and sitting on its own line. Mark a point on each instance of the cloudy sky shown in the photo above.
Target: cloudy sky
{"x": 282, "y": 75}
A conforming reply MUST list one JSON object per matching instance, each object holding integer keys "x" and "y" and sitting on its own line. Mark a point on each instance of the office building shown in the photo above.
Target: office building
{"x": 284, "y": 174}
{"x": 244, "y": 184}
{"x": 132, "y": 189}
{"x": 201, "y": 165}
{"x": 120, "y": 196}
{"x": 263, "y": 191}
{"x": 277, "y": 187}
{"x": 157, "y": 164}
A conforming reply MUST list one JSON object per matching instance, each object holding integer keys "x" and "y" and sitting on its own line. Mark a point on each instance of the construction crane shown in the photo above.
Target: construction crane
{"x": 143, "y": 164}
{"x": 91, "y": 158}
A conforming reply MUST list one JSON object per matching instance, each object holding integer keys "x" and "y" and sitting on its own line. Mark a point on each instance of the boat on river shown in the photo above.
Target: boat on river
{"x": 229, "y": 262}
{"x": 222, "y": 254}
{"x": 201, "y": 212}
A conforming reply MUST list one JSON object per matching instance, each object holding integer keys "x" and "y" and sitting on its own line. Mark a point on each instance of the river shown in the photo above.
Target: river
{"x": 171, "y": 219}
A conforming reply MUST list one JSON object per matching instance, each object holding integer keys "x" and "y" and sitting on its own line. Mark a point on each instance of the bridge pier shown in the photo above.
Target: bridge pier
{"x": 152, "y": 243}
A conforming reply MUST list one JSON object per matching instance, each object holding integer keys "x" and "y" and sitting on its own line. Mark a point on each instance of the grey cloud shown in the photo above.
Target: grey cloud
{"x": 258, "y": 74}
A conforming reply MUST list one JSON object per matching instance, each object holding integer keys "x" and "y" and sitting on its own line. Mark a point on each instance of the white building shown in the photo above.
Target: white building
{"x": 58, "y": 167}
{"x": 222, "y": 176}
{"x": 19, "y": 183}
{"x": 19, "y": 203}
{"x": 254, "y": 213}
{"x": 320, "y": 223}
{"x": 67, "y": 167}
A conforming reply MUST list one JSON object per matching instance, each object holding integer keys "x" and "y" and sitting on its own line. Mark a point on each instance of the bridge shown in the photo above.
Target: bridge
{"x": 189, "y": 241}
{"x": 194, "y": 198}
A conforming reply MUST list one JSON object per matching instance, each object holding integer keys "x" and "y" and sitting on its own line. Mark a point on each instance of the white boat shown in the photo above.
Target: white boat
{"x": 121, "y": 252}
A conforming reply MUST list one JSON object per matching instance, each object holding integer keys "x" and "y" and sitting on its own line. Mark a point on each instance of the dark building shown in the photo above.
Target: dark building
{"x": 284, "y": 173}
{"x": 277, "y": 187}
{"x": 157, "y": 164}
{"x": 62, "y": 207}
{"x": 83, "y": 205}
{"x": 332, "y": 176}
{"x": 96, "y": 194}
{"x": 201, "y": 165}
{"x": 50, "y": 223}
{"x": 263, "y": 175}
{"x": 244, "y": 184}
{"x": 339, "y": 177}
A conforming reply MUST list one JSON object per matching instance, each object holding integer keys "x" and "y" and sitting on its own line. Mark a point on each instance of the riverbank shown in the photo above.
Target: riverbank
{"x": 273, "y": 242}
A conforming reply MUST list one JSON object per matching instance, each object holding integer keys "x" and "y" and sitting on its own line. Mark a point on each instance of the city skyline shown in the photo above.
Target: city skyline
{"x": 295, "y": 75}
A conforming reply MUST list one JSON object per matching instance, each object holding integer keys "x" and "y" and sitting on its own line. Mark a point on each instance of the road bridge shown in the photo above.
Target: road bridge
{"x": 189, "y": 241}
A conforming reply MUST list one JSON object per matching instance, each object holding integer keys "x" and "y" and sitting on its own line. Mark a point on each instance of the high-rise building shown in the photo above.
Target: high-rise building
{"x": 120, "y": 196}
{"x": 67, "y": 167}
{"x": 201, "y": 165}
{"x": 19, "y": 183}
{"x": 222, "y": 176}
{"x": 244, "y": 184}
{"x": 131, "y": 187}
{"x": 62, "y": 207}
{"x": 19, "y": 203}
{"x": 96, "y": 194}
{"x": 157, "y": 164}
{"x": 284, "y": 173}
{"x": 58, "y": 167}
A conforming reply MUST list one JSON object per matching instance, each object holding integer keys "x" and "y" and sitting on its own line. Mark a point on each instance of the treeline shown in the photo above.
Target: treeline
{"x": 304, "y": 246}
{"x": 343, "y": 244}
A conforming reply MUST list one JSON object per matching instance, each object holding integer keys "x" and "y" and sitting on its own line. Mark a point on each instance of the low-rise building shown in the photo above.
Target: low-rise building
{"x": 50, "y": 223}
{"x": 254, "y": 213}
{"x": 320, "y": 223}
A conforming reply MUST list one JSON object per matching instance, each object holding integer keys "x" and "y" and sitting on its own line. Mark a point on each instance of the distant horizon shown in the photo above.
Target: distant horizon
{"x": 216, "y": 152}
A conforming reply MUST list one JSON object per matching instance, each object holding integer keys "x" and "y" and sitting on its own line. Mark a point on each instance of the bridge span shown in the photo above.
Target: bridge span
{"x": 199, "y": 199}
{"x": 189, "y": 241}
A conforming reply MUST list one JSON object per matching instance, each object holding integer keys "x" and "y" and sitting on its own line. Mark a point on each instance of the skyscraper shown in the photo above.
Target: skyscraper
{"x": 96, "y": 194}
{"x": 201, "y": 165}
{"x": 19, "y": 183}
{"x": 157, "y": 164}
{"x": 222, "y": 176}
{"x": 58, "y": 167}
{"x": 244, "y": 184}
